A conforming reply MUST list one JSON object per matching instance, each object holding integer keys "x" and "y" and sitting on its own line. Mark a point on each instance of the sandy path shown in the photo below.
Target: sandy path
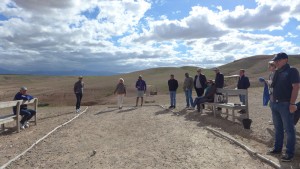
{"x": 147, "y": 137}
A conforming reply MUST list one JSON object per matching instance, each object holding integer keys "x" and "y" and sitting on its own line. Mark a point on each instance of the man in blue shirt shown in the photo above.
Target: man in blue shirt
{"x": 141, "y": 87}
{"x": 285, "y": 91}
{"x": 24, "y": 111}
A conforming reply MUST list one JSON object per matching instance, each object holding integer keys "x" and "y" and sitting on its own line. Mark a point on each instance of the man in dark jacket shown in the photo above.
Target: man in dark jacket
{"x": 78, "y": 90}
{"x": 173, "y": 85}
{"x": 219, "y": 79}
{"x": 24, "y": 111}
{"x": 141, "y": 87}
{"x": 200, "y": 83}
{"x": 243, "y": 83}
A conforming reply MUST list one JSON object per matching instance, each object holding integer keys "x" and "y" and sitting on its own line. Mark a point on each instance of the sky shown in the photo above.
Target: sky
{"x": 129, "y": 35}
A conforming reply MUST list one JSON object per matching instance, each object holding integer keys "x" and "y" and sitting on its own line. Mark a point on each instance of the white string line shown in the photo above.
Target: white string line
{"x": 243, "y": 146}
{"x": 24, "y": 152}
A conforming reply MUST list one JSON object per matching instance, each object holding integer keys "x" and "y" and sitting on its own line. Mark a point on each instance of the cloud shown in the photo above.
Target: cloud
{"x": 199, "y": 24}
{"x": 262, "y": 17}
{"x": 123, "y": 36}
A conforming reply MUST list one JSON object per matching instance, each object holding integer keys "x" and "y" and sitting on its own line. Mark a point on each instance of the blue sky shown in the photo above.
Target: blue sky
{"x": 130, "y": 35}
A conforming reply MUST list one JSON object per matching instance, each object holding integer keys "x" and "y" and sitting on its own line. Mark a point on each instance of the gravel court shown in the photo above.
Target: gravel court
{"x": 146, "y": 137}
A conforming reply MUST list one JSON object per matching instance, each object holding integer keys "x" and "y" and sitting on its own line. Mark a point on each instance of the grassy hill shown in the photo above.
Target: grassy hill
{"x": 58, "y": 90}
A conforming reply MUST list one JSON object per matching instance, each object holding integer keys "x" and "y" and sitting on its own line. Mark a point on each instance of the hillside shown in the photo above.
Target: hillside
{"x": 58, "y": 90}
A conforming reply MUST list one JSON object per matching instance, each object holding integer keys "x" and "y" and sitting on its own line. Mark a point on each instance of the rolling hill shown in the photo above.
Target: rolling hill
{"x": 58, "y": 90}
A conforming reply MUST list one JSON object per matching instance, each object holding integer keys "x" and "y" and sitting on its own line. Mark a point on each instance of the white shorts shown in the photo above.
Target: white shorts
{"x": 140, "y": 93}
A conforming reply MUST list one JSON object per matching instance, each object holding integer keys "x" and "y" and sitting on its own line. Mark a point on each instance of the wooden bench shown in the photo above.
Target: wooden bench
{"x": 12, "y": 117}
{"x": 221, "y": 100}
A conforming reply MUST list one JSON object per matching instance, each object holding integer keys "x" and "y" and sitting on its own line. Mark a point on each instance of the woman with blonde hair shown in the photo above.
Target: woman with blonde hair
{"x": 121, "y": 92}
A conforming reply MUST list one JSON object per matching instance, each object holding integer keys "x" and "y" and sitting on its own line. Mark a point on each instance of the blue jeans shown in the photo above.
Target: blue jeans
{"x": 199, "y": 100}
{"x": 27, "y": 114}
{"x": 243, "y": 99}
{"x": 172, "y": 98}
{"x": 188, "y": 97}
{"x": 283, "y": 121}
{"x": 78, "y": 100}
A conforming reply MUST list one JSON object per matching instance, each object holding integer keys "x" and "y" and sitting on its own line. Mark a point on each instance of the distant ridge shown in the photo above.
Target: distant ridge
{"x": 60, "y": 73}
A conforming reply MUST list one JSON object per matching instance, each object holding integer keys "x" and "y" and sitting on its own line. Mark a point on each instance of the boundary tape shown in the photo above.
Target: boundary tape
{"x": 41, "y": 139}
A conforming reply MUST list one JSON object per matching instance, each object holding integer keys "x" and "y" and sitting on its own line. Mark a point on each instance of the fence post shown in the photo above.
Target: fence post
{"x": 18, "y": 114}
{"x": 35, "y": 108}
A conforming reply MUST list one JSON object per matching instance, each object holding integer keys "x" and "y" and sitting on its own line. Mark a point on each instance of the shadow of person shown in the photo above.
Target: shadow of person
{"x": 126, "y": 110}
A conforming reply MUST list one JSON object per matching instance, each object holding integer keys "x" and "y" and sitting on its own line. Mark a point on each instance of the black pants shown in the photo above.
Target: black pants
{"x": 78, "y": 100}
{"x": 27, "y": 115}
{"x": 199, "y": 91}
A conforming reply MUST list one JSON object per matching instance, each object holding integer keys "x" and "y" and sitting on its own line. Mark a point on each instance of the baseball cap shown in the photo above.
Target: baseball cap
{"x": 23, "y": 88}
{"x": 280, "y": 56}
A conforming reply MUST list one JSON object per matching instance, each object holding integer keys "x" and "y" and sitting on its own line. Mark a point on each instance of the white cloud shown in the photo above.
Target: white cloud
{"x": 116, "y": 35}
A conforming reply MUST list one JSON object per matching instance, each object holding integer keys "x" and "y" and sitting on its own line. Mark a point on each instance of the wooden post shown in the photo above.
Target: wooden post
{"x": 35, "y": 108}
{"x": 18, "y": 114}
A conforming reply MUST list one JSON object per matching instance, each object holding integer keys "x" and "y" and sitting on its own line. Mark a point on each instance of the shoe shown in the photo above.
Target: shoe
{"x": 242, "y": 111}
{"x": 26, "y": 124}
{"x": 187, "y": 107}
{"x": 286, "y": 158}
{"x": 274, "y": 152}
{"x": 170, "y": 107}
{"x": 270, "y": 122}
{"x": 77, "y": 110}
{"x": 22, "y": 126}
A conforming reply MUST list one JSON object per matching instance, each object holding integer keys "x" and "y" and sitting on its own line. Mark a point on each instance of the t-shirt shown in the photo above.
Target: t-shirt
{"x": 282, "y": 83}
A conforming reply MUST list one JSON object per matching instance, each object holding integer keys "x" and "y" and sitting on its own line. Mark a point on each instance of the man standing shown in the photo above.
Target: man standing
{"x": 141, "y": 87}
{"x": 188, "y": 87}
{"x": 24, "y": 111}
{"x": 78, "y": 90}
{"x": 173, "y": 85}
{"x": 243, "y": 83}
{"x": 219, "y": 82}
{"x": 285, "y": 91}
{"x": 219, "y": 79}
{"x": 200, "y": 83}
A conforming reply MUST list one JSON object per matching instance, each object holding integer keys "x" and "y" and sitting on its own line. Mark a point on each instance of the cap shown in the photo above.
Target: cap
{"x": 23, "y": 88}
{"x": 280, "y": 56}
{"x": 80, "y": 77}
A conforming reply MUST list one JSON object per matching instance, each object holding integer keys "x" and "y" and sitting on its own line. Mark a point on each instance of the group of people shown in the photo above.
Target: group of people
{"x": 283, "y": 87}
{"x": 205, "y": 89}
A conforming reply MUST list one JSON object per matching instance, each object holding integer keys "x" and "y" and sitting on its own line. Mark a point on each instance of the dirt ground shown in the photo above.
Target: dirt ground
{"x": 143, "y": 137}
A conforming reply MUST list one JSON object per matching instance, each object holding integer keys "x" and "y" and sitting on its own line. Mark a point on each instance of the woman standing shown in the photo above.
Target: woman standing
{"x": 121, "y": 92}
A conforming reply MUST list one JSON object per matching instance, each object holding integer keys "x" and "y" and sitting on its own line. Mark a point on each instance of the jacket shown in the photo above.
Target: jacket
{"x": 219, "y": 80}
{"x": 173, "y": 84}
{"x": 243, "y": 83}
{"x": 141, "y": 85}
{"x": 20, "y": 96}
{"x": 202, "y": 81}
{"x": 120, "y": 89}
{"x": 78, "y": 87}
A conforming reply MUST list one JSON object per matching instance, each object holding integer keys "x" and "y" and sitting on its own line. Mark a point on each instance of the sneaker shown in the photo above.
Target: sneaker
{"x": 286, "y": 158}
{"x": 26, "y": 124}
{"x": 22, "y": 126}
{"x": 273, "y": 152}
{"x": 77, "y": 110}
{"x": 170, "y": 107}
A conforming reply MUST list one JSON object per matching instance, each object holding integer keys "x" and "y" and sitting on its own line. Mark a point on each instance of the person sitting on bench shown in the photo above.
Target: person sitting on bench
{"x": 24, "y": 111}
{"x": 209, "y": 94}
